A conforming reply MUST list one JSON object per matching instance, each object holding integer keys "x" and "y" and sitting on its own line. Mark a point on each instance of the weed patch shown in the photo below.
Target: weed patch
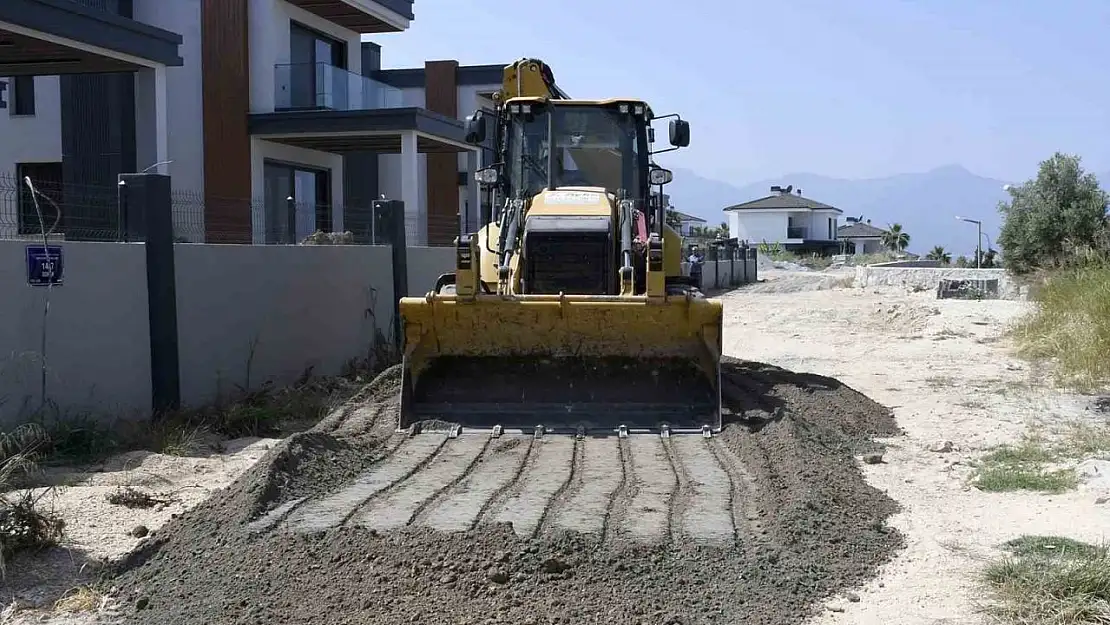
{"x": 1029, "y": 464}
{"x": 1050, "y": 580}
{"x": 1071, "y": 326}
{"x": 24, "y": 527}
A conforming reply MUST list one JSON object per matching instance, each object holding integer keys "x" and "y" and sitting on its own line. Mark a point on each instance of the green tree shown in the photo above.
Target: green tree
{"x": 895, "y": 239}
{"x": 962, "y": 261}
{"x": 1053, "y": 219}
{"x": 938, "y": 253}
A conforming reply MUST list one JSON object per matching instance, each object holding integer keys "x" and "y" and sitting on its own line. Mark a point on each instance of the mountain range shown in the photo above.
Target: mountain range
{"x": 925, "y": 204}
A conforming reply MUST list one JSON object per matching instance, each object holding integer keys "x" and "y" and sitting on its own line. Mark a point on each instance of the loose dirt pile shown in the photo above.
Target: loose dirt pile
{"x": 805, "y": 526}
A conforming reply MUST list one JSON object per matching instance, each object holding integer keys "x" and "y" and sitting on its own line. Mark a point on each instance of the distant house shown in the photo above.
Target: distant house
{"x": 858, "y": 237}
{"x": 687, "y": 223}
{"x": 788, "y": 218}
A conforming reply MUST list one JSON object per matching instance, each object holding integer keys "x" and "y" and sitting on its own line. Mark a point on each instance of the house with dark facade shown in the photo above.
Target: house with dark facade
{"x": 274, "y": 118}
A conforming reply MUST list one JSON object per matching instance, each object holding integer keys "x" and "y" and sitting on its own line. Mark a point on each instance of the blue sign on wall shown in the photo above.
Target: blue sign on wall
{"x": 44, "y": 265}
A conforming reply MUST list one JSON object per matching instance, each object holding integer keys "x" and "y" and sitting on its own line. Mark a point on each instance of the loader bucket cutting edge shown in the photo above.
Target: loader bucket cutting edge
{"x": 591, "y": 363}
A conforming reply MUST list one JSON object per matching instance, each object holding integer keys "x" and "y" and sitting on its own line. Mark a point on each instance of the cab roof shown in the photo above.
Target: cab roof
{"x": 576, "y": 102}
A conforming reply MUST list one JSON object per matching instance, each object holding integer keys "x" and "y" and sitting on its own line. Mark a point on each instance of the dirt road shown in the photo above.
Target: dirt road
{"x": 771, "y": 524}
{"x": 948, "y": 373}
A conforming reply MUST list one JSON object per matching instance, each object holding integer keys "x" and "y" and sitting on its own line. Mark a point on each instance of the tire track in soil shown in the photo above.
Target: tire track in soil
{"x": 585, "y": 509}
{"x": 422, "y": 510}
{"x": 619, "y": 503}
{"x": 647, "y": 518}
{"x": 509, "y": 490}
{"x": 408, "y": 458}
{"x": 397, "y": 508}
{"x": 542, "y": 479}
{"x": 747, "y": 518}
{"x": 704, "y": 514}
{"x": 559, "y": 499}
{"x": 682, "y": 495}
{"x": 460, "y": 507}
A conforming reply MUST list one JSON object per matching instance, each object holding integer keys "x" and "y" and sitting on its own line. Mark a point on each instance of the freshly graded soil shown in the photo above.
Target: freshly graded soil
{"x": 781, "y": 488}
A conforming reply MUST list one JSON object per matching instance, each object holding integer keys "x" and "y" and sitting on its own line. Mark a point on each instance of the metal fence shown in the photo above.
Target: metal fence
{"x": 77, "y": 212}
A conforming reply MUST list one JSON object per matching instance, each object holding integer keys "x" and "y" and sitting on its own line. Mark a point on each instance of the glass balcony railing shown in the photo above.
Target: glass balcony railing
{"x": 797, "y": 233}
{"x": 316, "y": 86}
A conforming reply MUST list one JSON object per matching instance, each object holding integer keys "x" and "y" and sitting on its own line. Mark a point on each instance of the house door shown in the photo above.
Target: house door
{"x": 298, "y": 202}
{"x": 316, "y": 79}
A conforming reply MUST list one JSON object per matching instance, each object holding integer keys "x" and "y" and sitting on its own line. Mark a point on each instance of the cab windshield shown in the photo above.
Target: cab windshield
{"x": 594, "y": 146}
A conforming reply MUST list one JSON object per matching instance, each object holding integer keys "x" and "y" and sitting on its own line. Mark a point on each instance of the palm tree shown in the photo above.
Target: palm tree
{"x": 938, "y": 253}
{"x": 896, "y": 239}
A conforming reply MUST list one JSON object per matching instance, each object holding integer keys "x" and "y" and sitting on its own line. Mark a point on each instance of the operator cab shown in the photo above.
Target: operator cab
{"x": 575, "y": 177}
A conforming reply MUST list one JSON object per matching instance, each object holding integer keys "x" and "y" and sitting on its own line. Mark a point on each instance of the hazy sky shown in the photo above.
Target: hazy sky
{"x": 847, "y": 88}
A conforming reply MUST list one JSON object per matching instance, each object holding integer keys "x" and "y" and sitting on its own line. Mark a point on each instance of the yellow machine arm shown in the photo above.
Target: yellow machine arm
{"x": 530, "y": 78}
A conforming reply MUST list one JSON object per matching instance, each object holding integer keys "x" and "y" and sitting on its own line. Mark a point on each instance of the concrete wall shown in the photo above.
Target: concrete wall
{"x": 927, "y": 279}
{"x": 273, "y": 309}
{"x": 97, "y": 334}
{"x": 302, "y": 306}
{"x": 426, "y": 264}
{"x": 723, "y": 274}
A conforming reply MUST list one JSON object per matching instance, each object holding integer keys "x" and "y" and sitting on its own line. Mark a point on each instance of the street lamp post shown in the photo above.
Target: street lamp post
{"x": 978, "y": 240}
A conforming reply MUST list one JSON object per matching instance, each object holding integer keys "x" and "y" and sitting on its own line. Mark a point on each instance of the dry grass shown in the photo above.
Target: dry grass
{"x": 130, "y": 497}
{"x": 1049, "y": 580}
{"x": 1071, "y": 326}
{"x": 80, "y": 599}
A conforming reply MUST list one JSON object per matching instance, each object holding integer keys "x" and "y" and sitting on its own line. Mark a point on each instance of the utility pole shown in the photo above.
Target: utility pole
{"x": 978, "y": 240}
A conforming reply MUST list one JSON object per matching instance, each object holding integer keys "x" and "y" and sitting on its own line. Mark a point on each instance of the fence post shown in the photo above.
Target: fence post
{"x": 291, "y": 219}
{"x": 389, "y": 218}
{"x": 148, "y": 202}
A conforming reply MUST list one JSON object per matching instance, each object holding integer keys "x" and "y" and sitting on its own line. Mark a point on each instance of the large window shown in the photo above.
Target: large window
{"x": 23, "y": 96}
{"x": 298, "y": 202}
{"x": 594, "y": 147}
{"x": 47, "y": 178}
{"x": 316, "y": 73}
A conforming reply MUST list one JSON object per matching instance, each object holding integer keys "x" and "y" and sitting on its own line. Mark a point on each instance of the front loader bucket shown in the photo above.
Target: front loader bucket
{"x": 572, "y": 363}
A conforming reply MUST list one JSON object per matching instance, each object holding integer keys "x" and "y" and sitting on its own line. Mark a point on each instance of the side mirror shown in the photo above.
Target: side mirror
{"x": 651, "y": 135}
{"x": 660, "y": 176}
{"x": 487, "y": 175}
{"x": 680, "y": 133}
{"x": 476, "y": 128}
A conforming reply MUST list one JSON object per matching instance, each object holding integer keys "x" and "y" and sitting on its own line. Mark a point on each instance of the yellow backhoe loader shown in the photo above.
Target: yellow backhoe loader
{"x": 567, "y": 311}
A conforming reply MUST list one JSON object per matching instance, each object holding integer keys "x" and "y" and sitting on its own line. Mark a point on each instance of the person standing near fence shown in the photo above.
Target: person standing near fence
{"x": 695, "y": 259}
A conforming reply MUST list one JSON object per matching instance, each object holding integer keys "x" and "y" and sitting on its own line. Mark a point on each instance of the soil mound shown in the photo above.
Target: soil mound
{"x": 806, "y": 526}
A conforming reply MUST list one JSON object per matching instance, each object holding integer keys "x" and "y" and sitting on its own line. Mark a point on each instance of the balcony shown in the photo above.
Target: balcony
{"x": 797, "y": 232}
{"x": 362, "y": 16}
{"x": 319, "y": 86}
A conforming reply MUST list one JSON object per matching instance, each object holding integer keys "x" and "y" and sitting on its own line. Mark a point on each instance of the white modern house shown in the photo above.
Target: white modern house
{"x": 788, "y": 218}
{"x": 859, "y": 237}
{"x": 276, "y": 120}
{"x": 687, "y": 223}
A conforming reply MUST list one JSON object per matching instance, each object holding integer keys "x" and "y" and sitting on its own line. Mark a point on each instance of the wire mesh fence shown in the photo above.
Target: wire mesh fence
{"x": 79, "y": 212}
{"x": 61, "y": 211}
